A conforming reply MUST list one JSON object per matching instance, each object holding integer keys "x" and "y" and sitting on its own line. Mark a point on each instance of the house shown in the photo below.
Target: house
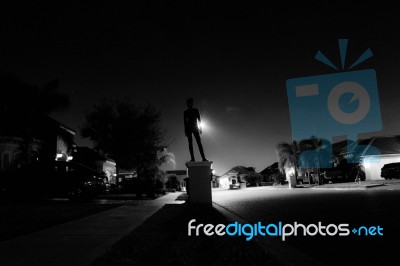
{"x": 180, "y": 176}
{"x": 97, "y": 162}
{"x": 49, "y": 140}
{"x": 57, "y": 139}
{"x": 234, "y": 178}
{"x": 269, "y": 172}
{"x": 374, "y": 153}
{"x": 11, "y": 150}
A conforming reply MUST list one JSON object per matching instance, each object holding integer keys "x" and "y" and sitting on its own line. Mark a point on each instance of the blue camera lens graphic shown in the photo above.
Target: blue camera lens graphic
{"x": 325, "y": 106}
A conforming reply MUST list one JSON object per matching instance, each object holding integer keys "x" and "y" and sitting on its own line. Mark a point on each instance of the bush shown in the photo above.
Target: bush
{"x": 161, "y": 191}
{"x": 278, "y": 178}
{"x": 173, "y": 183}
{"x": 253, "y": 179}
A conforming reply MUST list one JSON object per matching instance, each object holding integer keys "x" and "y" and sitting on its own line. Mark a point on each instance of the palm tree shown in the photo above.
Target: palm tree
{"x": 308, "y": 157}
{"x": 287, "y": 158}
{"x": 316, "y": 154}
{"x": 164, "y": 156}
{"x": 152, "y": 171}
{"x": 304, "y": 157}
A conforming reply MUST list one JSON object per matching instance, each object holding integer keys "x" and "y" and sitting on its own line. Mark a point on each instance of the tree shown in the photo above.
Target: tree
{"x": 278, "y": 177}
{"x": 164, "y": 156}
{"x": 172, "y": 182}
{"x": 287, "y": 156}
{"x": 252, "y": 178}
{"x": 306, "y": 156}
{"x": 131, "y": 135}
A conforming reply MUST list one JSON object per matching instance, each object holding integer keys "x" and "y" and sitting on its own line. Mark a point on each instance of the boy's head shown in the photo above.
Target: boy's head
{"x": 189, "y": 102}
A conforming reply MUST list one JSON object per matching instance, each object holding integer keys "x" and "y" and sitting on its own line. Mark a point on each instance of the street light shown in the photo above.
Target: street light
{"x": 59, "y": 156}
{"x": 202, "y": 125}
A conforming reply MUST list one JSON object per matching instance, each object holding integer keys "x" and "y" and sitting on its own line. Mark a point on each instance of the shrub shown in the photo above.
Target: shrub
{"x": 278, "y": 178}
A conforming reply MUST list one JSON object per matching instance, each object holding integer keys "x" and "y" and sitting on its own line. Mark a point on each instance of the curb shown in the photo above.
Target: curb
{"x": 267, "y": 187}
{"x": 284, "y": 253}
{"x": 364, "y": 187}
{"x": 375, "y": 185}
{"x": 350, "y": 188}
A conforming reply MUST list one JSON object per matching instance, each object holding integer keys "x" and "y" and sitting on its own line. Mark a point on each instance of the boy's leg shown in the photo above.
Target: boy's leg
{"x": 190, "y": 140}
{"x": 198, "y": 140}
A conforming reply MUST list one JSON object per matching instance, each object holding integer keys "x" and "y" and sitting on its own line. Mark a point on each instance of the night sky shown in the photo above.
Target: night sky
{"x": 233, "y": 60}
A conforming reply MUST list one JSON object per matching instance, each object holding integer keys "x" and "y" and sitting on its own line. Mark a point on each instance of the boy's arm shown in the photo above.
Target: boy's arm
{"x": 185, "y": 122}
{"x": 199, "y": 121}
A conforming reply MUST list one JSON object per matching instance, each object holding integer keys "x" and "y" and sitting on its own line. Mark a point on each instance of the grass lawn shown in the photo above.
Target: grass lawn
{"x": 163, "y": 240}
{"x": 22, "y": 217}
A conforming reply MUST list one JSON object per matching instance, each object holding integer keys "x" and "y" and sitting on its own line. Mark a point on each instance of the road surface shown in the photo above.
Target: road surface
{"x": 378, "y": 206}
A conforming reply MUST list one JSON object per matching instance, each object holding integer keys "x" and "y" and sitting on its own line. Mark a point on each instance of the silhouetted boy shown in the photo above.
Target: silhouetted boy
{"x": 192, "y": 120}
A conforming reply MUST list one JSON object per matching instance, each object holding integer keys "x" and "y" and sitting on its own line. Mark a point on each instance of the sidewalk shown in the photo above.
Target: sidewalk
{"x": 81, "y": 241}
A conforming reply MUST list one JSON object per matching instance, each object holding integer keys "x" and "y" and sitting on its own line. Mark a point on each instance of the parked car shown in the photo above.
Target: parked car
{"x": 79, "y": 181}
{"x": 390, "y": 170}
{"x": 344, "y": 172}
{"x": 332, "y": 175}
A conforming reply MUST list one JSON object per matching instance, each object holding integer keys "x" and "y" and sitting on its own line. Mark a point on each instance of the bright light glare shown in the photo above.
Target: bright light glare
{"x": 59, "y": 155}
{"x": 367, "y": 164}
{"x": 202, "y": 125}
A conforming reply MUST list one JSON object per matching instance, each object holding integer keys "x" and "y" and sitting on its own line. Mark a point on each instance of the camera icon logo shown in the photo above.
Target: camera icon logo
{"x": 324, "y": 106}
{"x": 358, "y": 92}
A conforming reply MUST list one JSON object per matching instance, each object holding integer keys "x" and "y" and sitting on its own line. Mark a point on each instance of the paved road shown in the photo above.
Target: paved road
{"x": 370, "y": 207}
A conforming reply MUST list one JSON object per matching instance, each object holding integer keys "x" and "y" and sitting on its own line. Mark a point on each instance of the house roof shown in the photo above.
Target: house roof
{"x": 41, "y": 128}
{"x": 383, "y": 145}
{"x": 269, "y": 169}
{"x": 177, "y": 172}
{"x": 338, "y": 147}
{"x": 388, "y": 145}
{"x": 239, "y": 170}
{"x": 47, "y": 120}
